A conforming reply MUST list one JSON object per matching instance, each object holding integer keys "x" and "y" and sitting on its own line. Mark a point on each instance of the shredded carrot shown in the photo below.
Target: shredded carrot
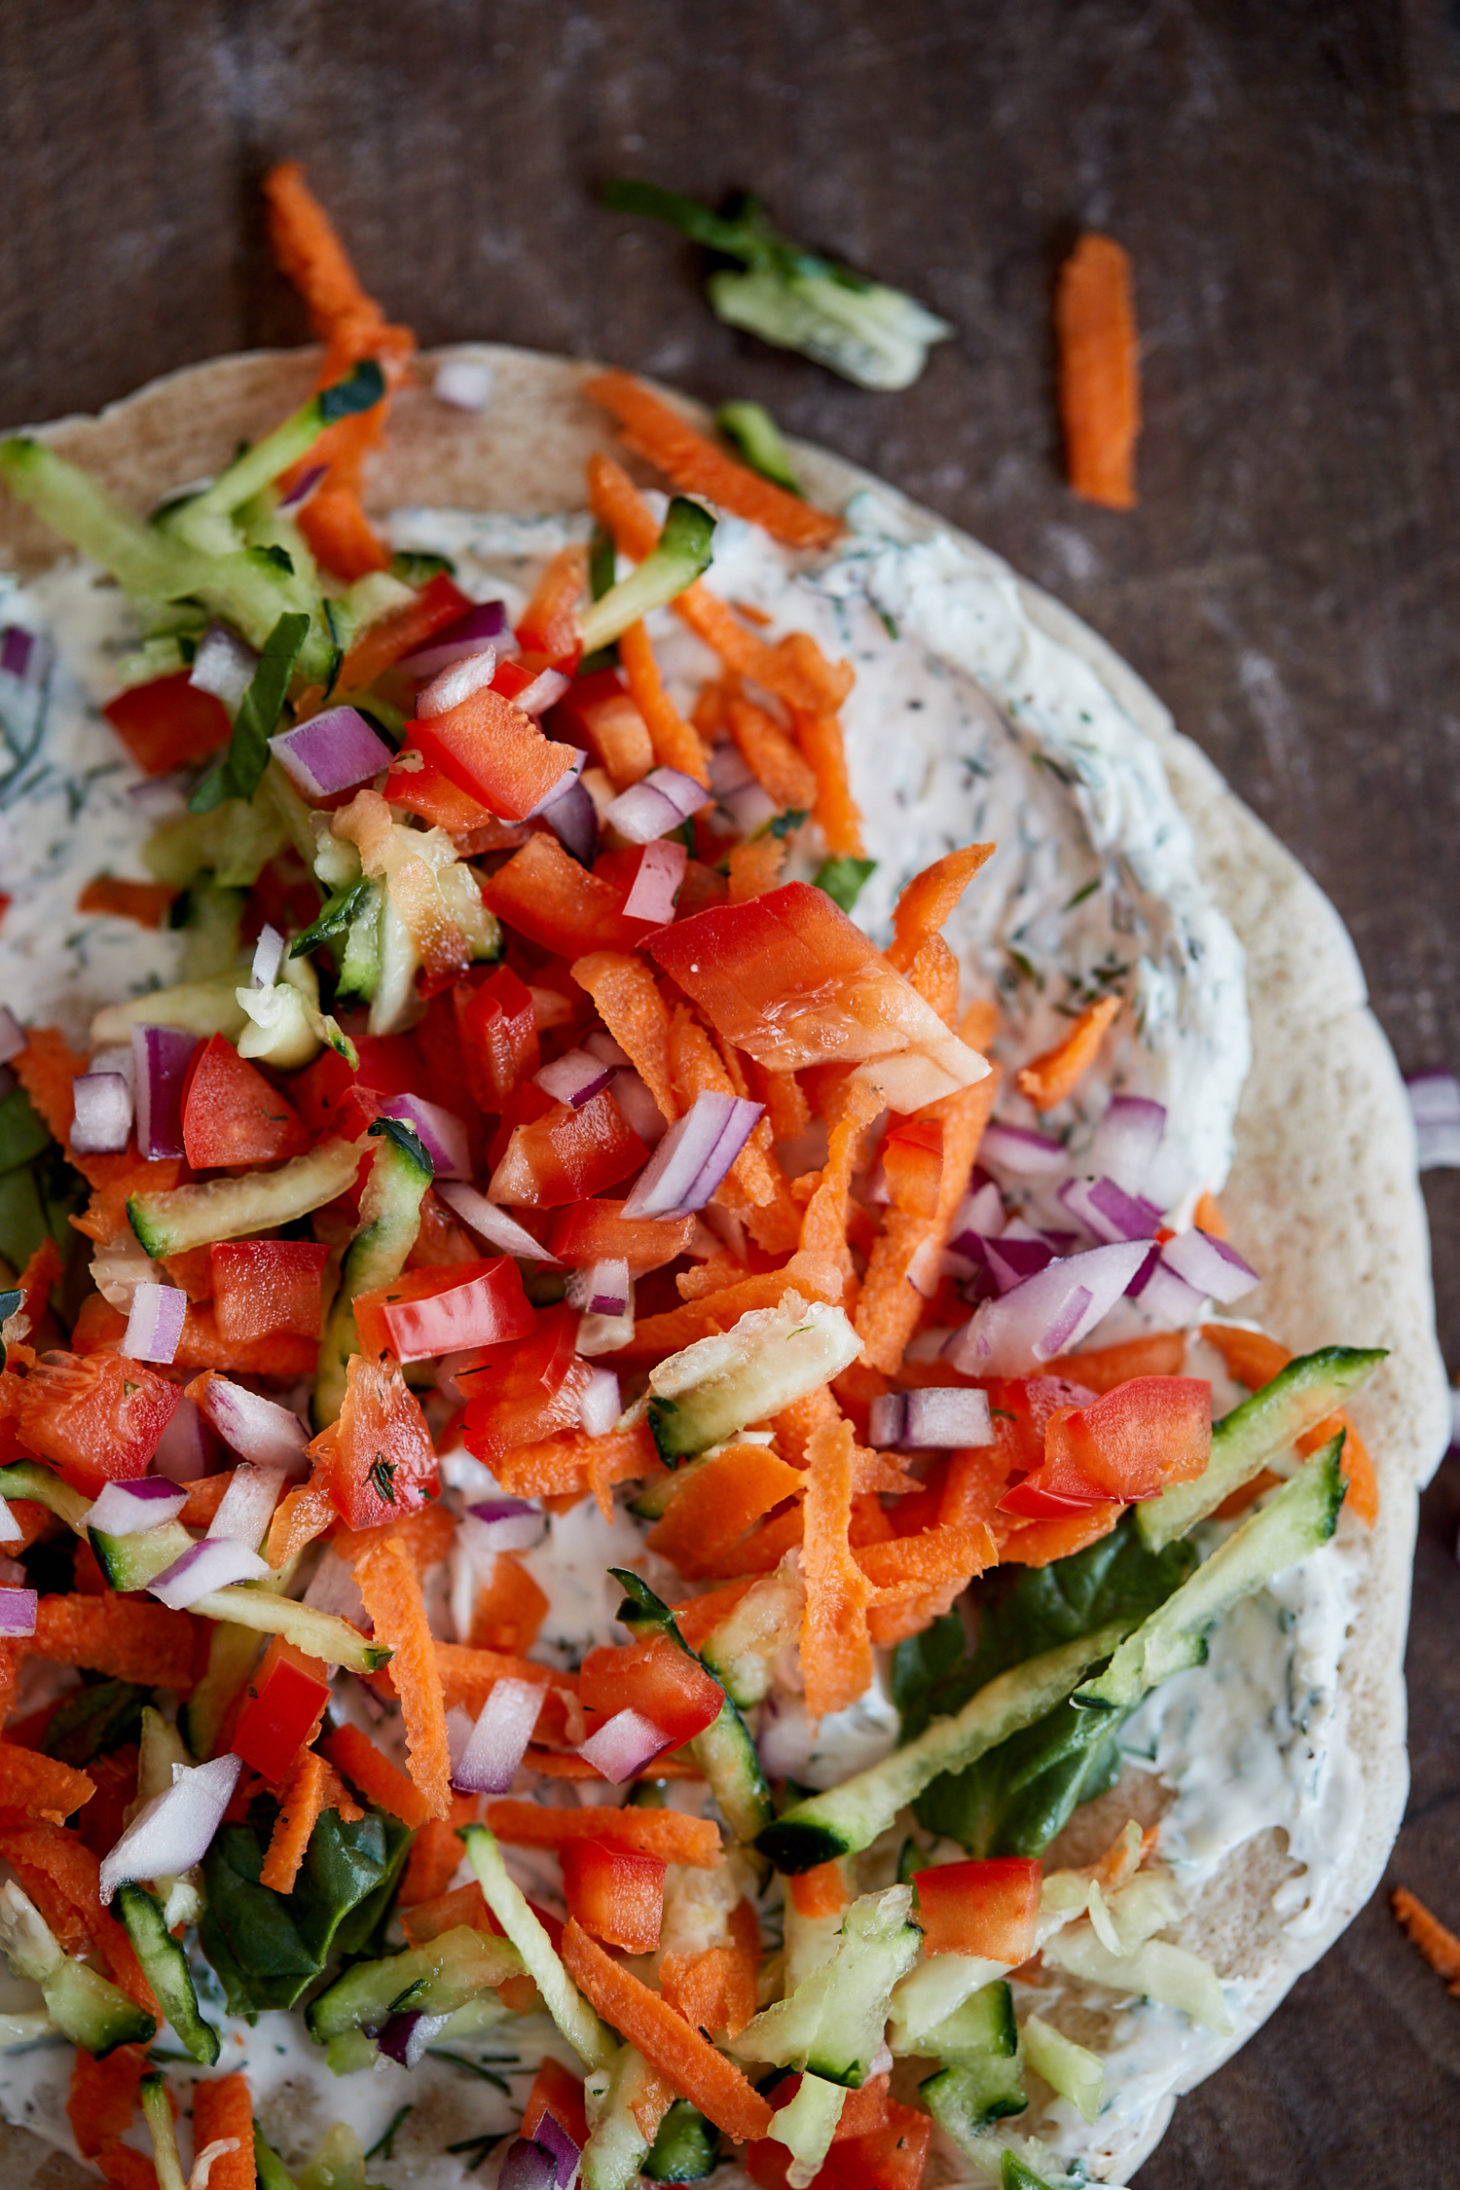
{"x": 205, "y": 1496}
{"x": 824, "y": 750}
{"x": 771, "y": 756}
{"x": 715, "y": 1989}
{"x": 1246, "y": 1495}
{"x": 126, "y": 2168}
{"x": 103, "y": 2096}
{"x": 836, "y": 1650}
{"x": 510, "y": 1610}
{"x": 63, "y": 1878}
{"x": 376, "y": 1778}
{"x": 672, "y": 1835}
{"x": 1251, "y": 1356}
{"x": 947, "y": 1552}
{"x": 1040, "y": 1543}
{"x": 928, "y": 901}
{"x": 977, "y": 1477}
{"x": 425, "y": 1919}
{"x": 578, "y": 1464}
{"x": 311, "y": 1788}
{"x": 1440, "y": 1947}
{"x": 821, "y": 1891}
{"x": 717, "y": 1504}
{"x": 665, "y": 438}
{"x": 698, "y": 1617}
{"x": 468, "y": 1676}
{"x": 550, "y": 620}
{"x": 223, "y": 2113}
{"x": 34, "y": 1284}
{"x": 434, "y": 1860}
{"x": 1207, "y": 1216}
{"x": 705, "y": 2077}
{"x": 1160, "y": 1353}
{"x": 302, "y": 1513}
{"x": 784, "y": 1099}
{"x": 391, "y": 1588}
{"x": 676, "y": 743}
{"x": 30, "y": 1780}
{"x": 106, "y": 1213}
{"x": 130, "y": 1638}
{"x": 428, "y": 1534}
{"x": 1099, "y": 372}
{"x": 937, "y": 977}
{"x": 1255, "y": 1359}
{"x": 635, "y": 1014}
{"x": 677, "y": 1327}
{"x": 47, "y": 1069}
{"x": 697, "y": 1069}
{"x": 980, "y": 1023}
{"x": 762, "y": 1551}
{"x": 755, "y": 867}
{"x": 1053, "y": 1077}
{"x": 148, "y": 903}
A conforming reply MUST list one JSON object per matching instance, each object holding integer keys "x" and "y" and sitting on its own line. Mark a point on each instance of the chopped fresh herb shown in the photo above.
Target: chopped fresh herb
{"x": 479, "y": 2147}
{"x": 1027, "y": 969}
{"x": 786, "y": 824}
{"x": 382, "y": 1475}
{"x": 384, "y": 2145}
{"x": 844, "y": 879}
{"x": 240, "y": 772}
{"x": 1080, "y": 895}
{"x": 414, "y": 568}
{"x": 756, "y": 439}
{"x": 473, "y": 2068}
{"x": 889, "y": 624}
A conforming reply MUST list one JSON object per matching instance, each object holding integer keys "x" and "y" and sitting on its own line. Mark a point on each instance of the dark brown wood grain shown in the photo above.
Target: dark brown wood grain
{"x": 1288, "y": 181}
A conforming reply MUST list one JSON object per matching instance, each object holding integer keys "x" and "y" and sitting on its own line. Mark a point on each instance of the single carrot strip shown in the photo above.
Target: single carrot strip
{"x": 206, "y": 1495}
{"x": 570, "y": 1464}
{"x": 310, "y": 254}
{"x": 698, "y": 1617}
{"x": 719, "y": 1502}
{"x": 670, "y": 1834}
{"x": 468, "y": 1675}
{"x": 30, "y": 1780}
{"x": 635, "y": 1014}
{"x": 148, "y": 903}
{"x": 665, "y": 438}
{"x": 126, "y": 2168}
{"x": 977, "y": 1477}
{"x": 821, "y": 1891}
{"x": 836, "y": 1650}
{"x": 1040, "y": 1543}
{"x": 1162, "y": 1353}
{"x": 697, "y": 1069}
{"x": 382, "y": 1783}
{"x": 1255, "y": 1359}
{"x": 301, "y": 1803}
{"x": 824, "y": 1221}
{"x": 1439, "y": 1946}
{"x": 127, "y": 1637}
{"x": 936, "y": 975}
{"x": 1099, "y": 371}
{"x": 63, "y": 1878}
{"x": 34, "y": 1284}
{"x": 783, "y": 1095}
{"x": 676, "y": 743}
{"x": 762, "y": 1551}
{"x": 567, "y": 1764}
{"x": 1207, "y": 1216}
{"x": 905, "y": 1565}
{"x": 302, "y": 1513}
{"x": 427, "y": 1534}
{"x": 706, "y": 2078}
{"x": 549, "y": 623}
{"x": 677, "y": 1327}
{"x": 1251, "y": 1356}
{"x": 715, "y": 1989}
{"x": 433, "y": 1862}
{"x": 391, "y": 1589}
{"x": 771, "y": 756}
{"x": 223, "y": 2113}
{"x": 510, "y": 1610}
{"x": 980, "y": 1023}
{"x": 1237, "y": 1502}
{"x": 1053, "y": 1077}
{"x": 103, "y": 2097}
{"x": 824, "y": 750}
{"x": 928, "y": 901}
{"x": 427, "y": 1919}
{"x": 755, "y": 867}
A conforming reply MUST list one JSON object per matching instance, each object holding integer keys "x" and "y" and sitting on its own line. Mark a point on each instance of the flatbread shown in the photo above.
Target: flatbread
{"x": 1323, "y": 1194}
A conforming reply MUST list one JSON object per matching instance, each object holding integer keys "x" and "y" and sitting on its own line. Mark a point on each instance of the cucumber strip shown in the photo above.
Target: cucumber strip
{"x": 195, "y": 1216}
{"x": 741, "y": 1650}
{"x": 437, "y": 1978}
{"x": 686, "y": 2148}
{"x": 233, "y": 843}
{"x": 933, "y": 1995}
{"x": 1298, "y": 1519}
{"x": 83, "y": 2005}
{"x": 964, "y": 2099}
{"x": 319, "y": 1634}
{"x": 685, "y": 547}
{"x": 1300, "y": 1396}
{"x": 165, "y": 1966}
{"x": 984, "y": 2024}
{"x": 851, "y": 1816}
{"x": 617, "y": 2149}
{"x": 232, "y": 1653}
{"x": 806, "y": 2126}
{"x": 142, "y": 559}
{"x": 197, "y": 521}
{"x": 157, "y": 2113}
{"x": 390, "y": 1218}
{"x": 28, "y": 1479}
{"x": 773, "y": 1356}
{"x": 757, "y": 441}
{"x": 590, "y": 2038}
{"x": 269, "y": 2170}
{"x": 1159, "y": 1971}
{"x": 131, "y": 1562}
{"x": 1072, "y": 2070}
{"x": 833, "y": 2023}
{"x": 198, "y": 1007}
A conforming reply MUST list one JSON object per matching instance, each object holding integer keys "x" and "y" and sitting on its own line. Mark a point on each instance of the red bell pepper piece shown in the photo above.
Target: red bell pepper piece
{"x": 97, "y": 1419}
{"x": 285, "y": 1700}
{"x": 567, "y": 1155}
{"x": 519, "y": 1395}
{"x": 657, "y": 1679}
{"x": 598, "y": 1231}
{"x": 544, "y": 894}
{"x": 261, "y": 1286}
{"x": 168, "y": 723}
{"x": 498, "y": 1035}
{"x": 494, "y": 753}
{"x": 439, "y": 604}
{"x": 424, "y": 1313}
{"x": 598, "y": 713}
{"x": 615, "y": 1893}
{"x": 377, "y": 1460}
{"x": 232, "y": 1115}
{"x": 987, "y": 1909}
{"x": 548, "y": 626}
{"x": 423, "y": 789}
{"x": 1127, "y": 1444}
{"x": 556, "y": 2091}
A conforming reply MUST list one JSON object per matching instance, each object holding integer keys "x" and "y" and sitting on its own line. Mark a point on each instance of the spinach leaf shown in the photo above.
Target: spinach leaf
{"x": 241, "y": 769}
{"x": 1015, "y": 1799}
{"x": 99, "y": 1716}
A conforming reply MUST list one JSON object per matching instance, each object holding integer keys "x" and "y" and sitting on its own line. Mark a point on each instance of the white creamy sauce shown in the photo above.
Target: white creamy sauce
{"x": 965, "y": 724}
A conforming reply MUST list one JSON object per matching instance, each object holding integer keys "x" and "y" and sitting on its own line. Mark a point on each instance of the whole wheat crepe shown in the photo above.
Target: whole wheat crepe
{"x": 1323, "y": 1194}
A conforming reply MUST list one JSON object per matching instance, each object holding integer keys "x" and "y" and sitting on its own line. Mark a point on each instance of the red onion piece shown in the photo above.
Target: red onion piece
{"x": 492, "y": 1224}
{"x": 1047, "y": 1314}
{"x": 750, "y": 809}
{"x": 730, "y": 771}
{"x": 551, "y": 2134}
{"x": 223, "y": 665}
{"x": 602, "y": 1289}
{"x": 268, "y": 957}
{"x": 333, "y": 1588}
{"x": 1108, "y": 1212}
{"x": 405, "y": 2038}
{"x": 980, "y": 1211}
{"x": 17, "y": 1611}
{"x": 304, "y": 488}
{"x": 605, "y": 1048}
{"x": 154, "y": 1323}
{"x": 441, "y": 1133}
{"x": 601, "y": 1404}
{"x": 657, "y": 883}
{"x": 1020, "y": 1153}
{"x": 1011, "y": 1260}
{"x": 163, "y": 797}
{"x": 125, "y": 1509}
{"x": 13, "y": 1036}
{"x": 247, "y": 1506}
{"x": 942, "y": 1419}
{"x": 637, "y": 1107}
{"x": 216, "y": 1563}
{"x": 561, "y": 788}
{"x": 886, "y": 1417}
{"x": 488, "y": 1763}
{"x": 1434, "y": 1102}
{"x": 575, "y": 1077}
{"x": 1166, "y": 1298}
{"x": 102, "y": 1125}
{"x": 1128, "y": 1139}
{"x": 25, "y": 655}
{"x": 463, "y": 382}
{"x": 1209, "y": 1266}
{"x": 185, "y": 1449}
{"x": 175, "y": 1829}
{"x": 160, "y": 1060}
{"x": 661, "y": 801}
{"x": 527, "y": 2166}
{"x": 485, "y": 624}
{"x": 622, "y": 1746}
{"x": 331, "y": 752}
{"x": 506, "y": 1524}
{"x": 545, "y": 690}
{"x": 11, "y": 1531}
{"x": 457, "y": 682}
{"x": 573, "y": 819}
{"x": 693, "y": 1157}
{"x": 256, "y": 1428}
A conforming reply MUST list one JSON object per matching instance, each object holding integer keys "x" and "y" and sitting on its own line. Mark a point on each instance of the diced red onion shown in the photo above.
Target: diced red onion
{"x": 1047, "y": 1314}
{"x": 1209, "y": 1266}
{"x": 304, "y": 488}
{"x": 102, "y": 1124}
{"x": 25, "y": 655}
{"x": 1011, "y": 1260}
{"x": 980, "y": 1211}
{"x": 693, "y": 1157}
{"x": 575, "y": 1077}
{"x": 508, "y": 1524}
{"x": 551, "y": 2134}
{"x": 13, "y": 1036}
{"x": 184, "y": 1450}
{"x": 457, "y": 682}
{"x": 155, "y": 1323}
{"x": 333, "y": 1588}
{"x": 527, "y": 2166}
{"x": 268, "y": 957}
{"x": 933, "y": 1420}
{"x": 1108, "y": 1212}
{"x": 925, "y": 1268}
{"x": 125, "y": 1509}
{"x": 1434, "y": 1101}
{"x": 657, "y": 883}
{"x": 216, "y": 1563}
{"x": 407, "y": 2037}
{"x": 550, "y": 1008}
{"x": 485, "y": 624}
{"x": 750, "y": 809}
{"x": 160, "y": 1060}
{"x": 11, "y": 1531}
{"x": 330, "y": 752}
{"x": 463, "y": 382}
{"x": 173, "y": 1831}
{"x": 602, "y": 1289}
{"x": 601, "y": 1404}
{"x": 1166, "y": 1298}
{"x": 886, "y": 1417}
{"x": 603, "y": 1046}
{"x": 561, "y": 788}
{"x": 637, "y": 1107}
{"x": 17, "y": 1611}
{"x": 223, "y": 665}
{"x": 1022, "y": 1154}
{"x": 545, "y": 690}
{"x": 659, "y": 802}
{"x": 441, "y": 1133}
{"x": 247, "y": 1506}
{"x": 160, "y": 796}
{"x": 622, "y": 1746}
{"x": 492, "y": 1224}
{"x": 488, "y": 1763}
{"x": 1127, "y": 1140}
{"x": 730, "y": 771}
{"x": 256, "y": 1428}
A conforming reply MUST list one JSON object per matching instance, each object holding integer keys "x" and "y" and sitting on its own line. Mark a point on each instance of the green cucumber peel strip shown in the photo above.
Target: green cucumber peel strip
{"x": 590, "y": 2037}
{"x": 217, "y": 1209}
{"x": 166, "y": 1969}
{"x": 197, "y": 519}
{"x": 686, "y": 545}
{"x": 241, "y": 771}
{"x": 28, "y": 1479}
{"x": 757, "y": 441}
{"x": 390, "y": 1218}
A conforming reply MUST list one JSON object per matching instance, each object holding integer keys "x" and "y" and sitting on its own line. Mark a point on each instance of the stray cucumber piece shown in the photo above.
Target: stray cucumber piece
{"x": 683, "y": 554}
{"x": 932, "y": 1997}
{"x": 83, "y": 2006}
{"x": 591, "y": 2039}
{"x": 963, "y": 2100}
{"x": 241, "y": 770}
{"x": 165, "y": 1966}
{"x": 269, "y": 2169}
{"x": 390, "y": 1218}
{"x": 157, "y": 2113}
{"x": 233, "y": 843}
{"x": 806, "y": 2126}
{"x": 320, "y": 1634}
{"x": 724, "y": 1752}
{"x": 984, "y": 2024}
{"x": 742, "y": 1648}
{"x": 197, "y": 1007}
{"x": 28, "y": 1479}
{"x": 1072, "y": 2070}
{"x": 757, "y": 441}
{"x": 618, "y": 2150}
{"x": 771, "y": 1357}
{"x": 833, "y": 2023}
{"x": 131, "y": 1562}
{"x": 686, "y": 2149}
{"x": 195, "y": 1216}
{"x": 437, "y": 1978}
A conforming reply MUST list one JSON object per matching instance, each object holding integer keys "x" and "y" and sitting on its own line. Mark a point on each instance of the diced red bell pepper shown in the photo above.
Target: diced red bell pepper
{"x": 285, "y": 1700}
{"x": 425, "y": 790}
{"x": 261, "y": 1286}
{"x": 655, "y": 1678}
{"x": 98, "y": 1419}
{"x": 548, "y": 625}
{"x": 556, "y": 2091}
{"x": 424, "y": 1313}
{"x": 519, "y": 1395}
{"x": 987, "y": 1909}
{"x": 439, "y": 604}
{"x": 232, "y": 1115}
{"x": 567, "y": 1155}
{"x": 597, "y": 713}
{"x": 494, "y": 753}
{"x": 377, "y": 1461}
{"x": 1131, "y": 1442}
{"x": 1052, "y": 1495}
{"x": 891, "y": 2158}
{"x": 598, "y": 1231}
{"x": 544, "y": 894}
{"x": 498, "y": 1035}
{"x": 615, "y": 1893}
{"x": 168, "y": 723}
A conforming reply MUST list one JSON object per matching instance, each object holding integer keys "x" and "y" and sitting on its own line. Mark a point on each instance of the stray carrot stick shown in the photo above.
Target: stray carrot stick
{"x": 126, "y": 1637}
{"x": 698, "y": 1617}
{"x": 836, "y": 1650}
{"x": 391, "y": 1589}
{"x": 145, "y": 902}
{"x": 30, "y": 1780}
{"x": 928, "y": 901}
{"x": 126, "y": 2168}
{"x": 1099, "y": 371}
{"x": 691, "y": 2064}
{"x": 1440, "y": 1948}
{"x": 672, "y": 1835}
{"x": 468, "y": 1674}
{"x": 1052, "y": 1077}
{"x": 821, "y": 1891}
{"x": 677, "y": 1327}
{"x": 762, "y": 1551}
{"x": 103, "y": 2096}
{"x": 302, "y": 1513}
{"x": 719, "y": 1502}
{"x": 676, "y": 743}
{"x": 577, "y": 1464}
{"x": 665, "y": 438}
{"x": 1255, "y": 1359}
{"x": 770, "y": 756}
{"x": 755, "y": 867}
{"x": 936, "y": 975}
{"x": 223, "y": 2113}
{"x": 434, "y": 1860}
{"x": 635, "y": 1014}
{"x": 906, "y": 1564}
{"x": 1162, "y": 1353}
{"x": 1040, "y": 1543}
{"x": 715, "y": 1989}
{"x": 378, "y": 1780}
{"x": 824, "y": 750}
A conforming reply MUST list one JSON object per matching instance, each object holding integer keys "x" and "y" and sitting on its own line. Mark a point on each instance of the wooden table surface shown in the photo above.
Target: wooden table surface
{"x": 1288, "y": 180}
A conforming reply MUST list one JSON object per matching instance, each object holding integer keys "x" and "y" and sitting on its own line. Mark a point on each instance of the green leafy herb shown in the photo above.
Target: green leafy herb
{"x": 240, "y": 772}
{"x": 1080, "y": 895}
{"x": 479, "y": 2147}
{"x": 756, "y": 439}
{"x": 382, "y": 1476}
{"x": 786, "y": 824}
{"x": 384, "y": 2145}
{"x": 415, "y": 568}
{"x": 335, "y": 916}
{"x": 844, "y": 879}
